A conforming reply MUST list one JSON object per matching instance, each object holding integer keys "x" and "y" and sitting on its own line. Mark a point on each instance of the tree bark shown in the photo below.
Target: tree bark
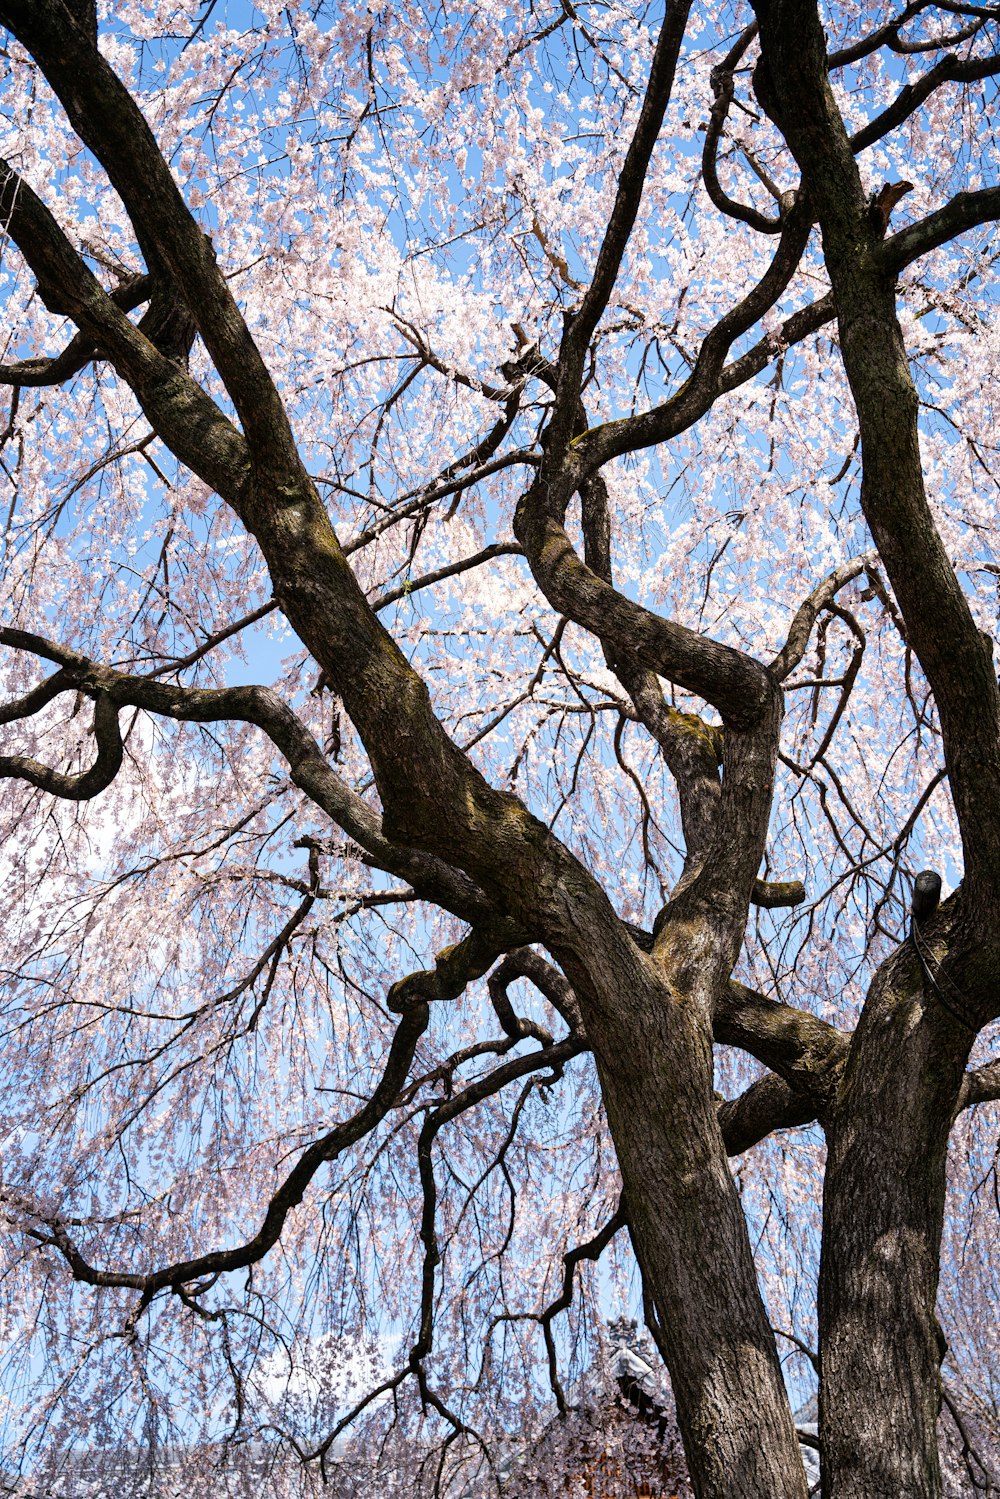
{"x": 649, "y": 1019}
{"x": 652, "y": 1045}
{"x": 885, "y": 1180}
{"x": 883, "y": 1215}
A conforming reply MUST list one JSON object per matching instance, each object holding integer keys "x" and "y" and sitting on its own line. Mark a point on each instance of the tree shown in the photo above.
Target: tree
{"x": 694, "y": 315}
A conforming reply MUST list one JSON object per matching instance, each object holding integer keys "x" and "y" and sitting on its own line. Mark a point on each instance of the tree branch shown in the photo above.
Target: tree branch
{"x": 431, "y": 878}
{"x": 580, "y": 325}
{"x": 289, "y": 1194}
{"x": 723, "y": 84}
{"x": 111, "y": 125}
{"x": 981, "y": 1085}
{"x": 950, "y": 69}
{"x": 110, "y": 753}
{"x": 805, "y": 617}
{"x": 451, "y": 570}
{"x": 524, "y": 962}
{"x": 80, "y": 350}
{"x": 768, "y": 1105}
{"x": 702, "y": 387}
{"x": 591, "y": 1250}
{"x": 806, "y": 1053}
{"x": 963, "y": 212}
{"x": 793, "y": 86}
{"x": 178, "y": 409}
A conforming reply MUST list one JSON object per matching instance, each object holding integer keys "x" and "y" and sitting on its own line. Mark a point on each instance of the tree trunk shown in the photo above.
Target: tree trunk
{"x": 883, "y": 1215}
{"x": 653, "y": 1050}
{"x": 885, "y": 1180}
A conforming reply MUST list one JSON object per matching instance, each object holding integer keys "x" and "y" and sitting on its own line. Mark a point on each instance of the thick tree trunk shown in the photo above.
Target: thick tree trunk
{"x": 883, "y": 1215}
{"x": 885, "y": 1183}
{"x": 653, "y": 1051}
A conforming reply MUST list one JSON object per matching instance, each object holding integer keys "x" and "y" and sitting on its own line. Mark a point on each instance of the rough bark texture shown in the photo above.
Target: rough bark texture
{"x": 883, "y": 1215}
{"x": 648, "y": 1006}
{"x": 885, "y": 1182}
{"x": 655, "y": 1065}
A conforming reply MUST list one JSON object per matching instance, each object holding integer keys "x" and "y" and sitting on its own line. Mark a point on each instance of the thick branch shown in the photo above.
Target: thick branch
{"x": 38, "y": 698}
{"x": 963, "y": 212}
{"x": 981, "y": 1085}
{"x": 889, "y": 34}
{"x": 79, "y": 788}
{"x": 792, "y": 84}
{"x": 735, "y": 684}
{"x": 950, "y": 69}
{"x": 768, "y": 1105}
{"x": 185, "y": 417}
{"x": 806, "y": 1053}
{"x": 310, "y": 771}
{"x": 454, "y": 969}
{"x": 109, "y": 122}
{"x": 692, "y": 750}
{"x": 79, "y": 351}
{"x": 725, "y": 826}
{"x": 882, "y": 35}
{"x": 524, "y": 962}
{"x": 702, "y": 387}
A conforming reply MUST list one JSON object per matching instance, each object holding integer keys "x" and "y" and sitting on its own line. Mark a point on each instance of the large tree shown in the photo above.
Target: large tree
{"x": 582, "y": 418}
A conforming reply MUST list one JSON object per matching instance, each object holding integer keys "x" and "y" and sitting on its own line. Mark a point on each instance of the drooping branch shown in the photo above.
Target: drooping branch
{"x": 723, "y": 85}
{"x": 553, "y": 1056}
{"x": 79, "y": 351}
{"x": 90, "y": 783}
{"x": 805, "y": 617}
{"x": 592, "y": 1249}
{"x": 38, "y": 698}
{"x": 524, "y": 962}
{"x": 309, "y": 768}
{"x": 330, "y": 1145}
